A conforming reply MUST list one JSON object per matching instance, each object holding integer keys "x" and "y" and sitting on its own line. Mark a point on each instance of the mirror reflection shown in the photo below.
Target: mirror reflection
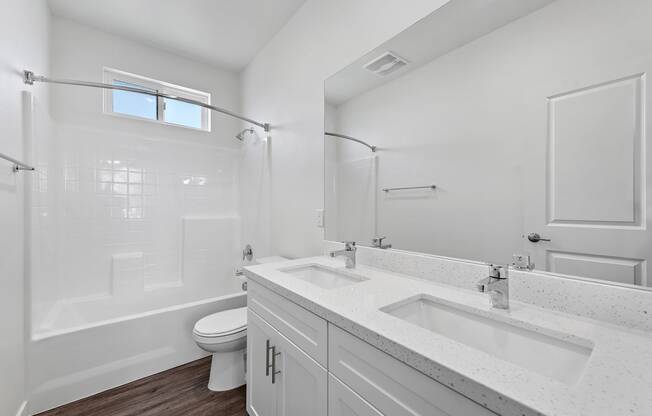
{"x": 501, "y": 128}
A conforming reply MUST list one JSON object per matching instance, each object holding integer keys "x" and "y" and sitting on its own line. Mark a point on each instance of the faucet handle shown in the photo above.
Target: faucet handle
{"x": 522, "y": 262}
{"x": 498, "y": 271}
{"x": 349, "y": 245}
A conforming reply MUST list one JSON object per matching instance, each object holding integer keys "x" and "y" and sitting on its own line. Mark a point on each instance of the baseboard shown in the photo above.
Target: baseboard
{"x": 22, "y": 410}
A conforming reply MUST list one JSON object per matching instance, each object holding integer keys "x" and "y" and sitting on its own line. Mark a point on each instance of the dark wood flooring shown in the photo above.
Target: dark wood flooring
{"x": 178, "y": 391}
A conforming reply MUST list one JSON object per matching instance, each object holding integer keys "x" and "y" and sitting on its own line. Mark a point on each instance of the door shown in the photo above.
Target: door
{"x": 301, "y": 382}
{"x": 261, "y": 394}
{"x": 586, "y": 156}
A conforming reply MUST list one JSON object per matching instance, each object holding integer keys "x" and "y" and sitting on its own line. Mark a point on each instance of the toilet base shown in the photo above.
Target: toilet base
{"x": 227, "y": 370}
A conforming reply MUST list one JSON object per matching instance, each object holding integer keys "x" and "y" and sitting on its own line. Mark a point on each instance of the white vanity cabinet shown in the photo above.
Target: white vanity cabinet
{"x": 286, "y": 357}
{"x": 342, "y": 401}
{"x": 261, "y": 394}
{"x": 299, "y": 364}
{"x": 282, "y": 379}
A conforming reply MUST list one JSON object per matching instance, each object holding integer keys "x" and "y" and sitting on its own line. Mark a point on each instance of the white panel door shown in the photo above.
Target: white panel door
{"x": 302, "y": 384}
{"x": 261, "y": 394}
{"x": 587, "y": 177}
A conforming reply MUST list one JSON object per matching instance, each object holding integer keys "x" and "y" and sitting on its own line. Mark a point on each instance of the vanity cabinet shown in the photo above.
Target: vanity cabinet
{"x": 392, "y": 387}
{"x": 261, "y": 394}
{"x": 282, "y": 379}
{"x": 342, "y": 401}
{"x": 299, "y": 364}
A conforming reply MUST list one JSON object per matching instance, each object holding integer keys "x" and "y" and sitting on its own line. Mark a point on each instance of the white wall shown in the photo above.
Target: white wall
{"x": 284, "y": 85}
{"x": 23, "y": 44}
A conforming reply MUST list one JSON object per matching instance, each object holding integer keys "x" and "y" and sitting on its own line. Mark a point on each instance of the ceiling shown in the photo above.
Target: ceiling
{"x": 224, "y": 33}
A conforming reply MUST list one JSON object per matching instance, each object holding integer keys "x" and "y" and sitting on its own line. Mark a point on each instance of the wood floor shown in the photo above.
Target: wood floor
{"x": 179, "y": 391}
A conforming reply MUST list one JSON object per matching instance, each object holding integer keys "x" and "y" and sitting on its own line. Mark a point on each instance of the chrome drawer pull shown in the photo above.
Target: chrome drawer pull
{"x": 267, "y": 364}
{"x": 274, "y": 372}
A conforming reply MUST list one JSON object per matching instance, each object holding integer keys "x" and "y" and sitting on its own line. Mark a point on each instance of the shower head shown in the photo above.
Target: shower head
{"x": 240, "y": 136}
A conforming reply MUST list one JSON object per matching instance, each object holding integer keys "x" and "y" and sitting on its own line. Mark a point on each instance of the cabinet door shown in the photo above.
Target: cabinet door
{"x": 302, "y": 382}
{"x": 342, "y": 401}
{"x": 261, "y": 393}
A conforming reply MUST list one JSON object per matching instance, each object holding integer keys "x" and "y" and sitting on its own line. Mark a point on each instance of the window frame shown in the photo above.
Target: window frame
{"x": 110, "y": 75}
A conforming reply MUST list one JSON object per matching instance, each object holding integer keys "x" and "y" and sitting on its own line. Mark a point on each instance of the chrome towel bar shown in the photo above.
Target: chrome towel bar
{"x": 18, "y": 165}
{"x": 404, "y": 188}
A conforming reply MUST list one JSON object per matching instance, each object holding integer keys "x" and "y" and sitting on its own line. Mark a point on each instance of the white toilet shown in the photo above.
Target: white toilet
{"x": 225, "y": 335}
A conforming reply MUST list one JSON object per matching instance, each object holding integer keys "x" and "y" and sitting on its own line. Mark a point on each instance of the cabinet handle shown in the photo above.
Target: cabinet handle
{"x": 267, "y": 364}
{"x": 274, "y": 372}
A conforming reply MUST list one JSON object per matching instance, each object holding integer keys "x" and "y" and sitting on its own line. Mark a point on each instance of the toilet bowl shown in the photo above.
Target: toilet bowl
{"x": 224, "y": 334}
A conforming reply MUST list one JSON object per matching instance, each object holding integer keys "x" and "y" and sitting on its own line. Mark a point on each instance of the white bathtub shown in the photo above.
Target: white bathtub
{"x": 74, "y": 354}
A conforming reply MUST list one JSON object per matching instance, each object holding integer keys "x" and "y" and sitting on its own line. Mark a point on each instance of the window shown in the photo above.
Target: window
{"x": 157, "y": 109}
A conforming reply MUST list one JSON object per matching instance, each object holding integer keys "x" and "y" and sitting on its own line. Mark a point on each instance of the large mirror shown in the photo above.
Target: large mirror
{"x": 500, "y": 127}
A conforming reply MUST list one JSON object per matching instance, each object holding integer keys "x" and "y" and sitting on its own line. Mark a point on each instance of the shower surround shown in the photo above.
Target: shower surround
{"x": 134, "y": 227}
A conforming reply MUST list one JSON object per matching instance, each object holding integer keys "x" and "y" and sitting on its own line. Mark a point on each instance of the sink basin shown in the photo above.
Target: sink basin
{"x": 323, "y": 277}
{"x": 547, "y": 355}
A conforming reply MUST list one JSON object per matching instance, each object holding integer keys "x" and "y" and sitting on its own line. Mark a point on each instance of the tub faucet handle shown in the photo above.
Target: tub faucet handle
{"x": 248, "y": 253}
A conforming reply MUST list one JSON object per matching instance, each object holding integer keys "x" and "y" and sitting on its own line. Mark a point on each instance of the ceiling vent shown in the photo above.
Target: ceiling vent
{"x": 386, "y": 64}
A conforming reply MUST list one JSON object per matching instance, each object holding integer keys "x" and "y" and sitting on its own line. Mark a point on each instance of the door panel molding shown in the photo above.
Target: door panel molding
{"x": 595, "y": 160}
{"x": 595, "y": 266}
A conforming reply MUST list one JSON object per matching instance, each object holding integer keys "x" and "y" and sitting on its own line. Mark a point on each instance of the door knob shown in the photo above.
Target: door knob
{"x": 535, "y": 238}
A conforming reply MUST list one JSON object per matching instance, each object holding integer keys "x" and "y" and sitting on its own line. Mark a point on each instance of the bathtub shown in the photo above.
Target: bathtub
{"x": 73, "y": 354}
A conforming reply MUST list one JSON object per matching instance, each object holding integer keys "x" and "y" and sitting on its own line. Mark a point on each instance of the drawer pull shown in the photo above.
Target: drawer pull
{"x": 274, "y": 372}
{"x": 267, "y": 364}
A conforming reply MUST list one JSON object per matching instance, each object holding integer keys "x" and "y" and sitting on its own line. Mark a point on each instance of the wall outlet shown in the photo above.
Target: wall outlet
{"x": 320, "y": 218}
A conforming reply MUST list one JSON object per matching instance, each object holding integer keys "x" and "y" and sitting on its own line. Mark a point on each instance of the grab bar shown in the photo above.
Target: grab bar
{"x": 18, "y": 165}
{"x": 410, "y": 187}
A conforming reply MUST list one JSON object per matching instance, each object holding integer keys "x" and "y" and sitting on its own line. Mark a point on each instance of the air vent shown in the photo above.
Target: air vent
{"x": 386, "y": 64}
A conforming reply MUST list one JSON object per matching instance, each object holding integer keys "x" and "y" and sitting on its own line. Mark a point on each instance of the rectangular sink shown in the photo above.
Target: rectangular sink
{"x": 323, "y": 277}
{"x": 547, "y": 355}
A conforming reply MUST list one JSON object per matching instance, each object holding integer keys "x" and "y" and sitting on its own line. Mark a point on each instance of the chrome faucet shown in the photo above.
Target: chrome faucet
{"x": 377, "y": 242}
{"x": 348, "y": 252}
{"x": 497, "y": 286}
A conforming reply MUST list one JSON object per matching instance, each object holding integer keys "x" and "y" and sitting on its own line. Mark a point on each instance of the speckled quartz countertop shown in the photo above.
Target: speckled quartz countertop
{"x": 616, "y": 381}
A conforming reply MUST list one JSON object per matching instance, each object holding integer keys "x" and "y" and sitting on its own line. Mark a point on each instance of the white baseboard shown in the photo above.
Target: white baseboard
{"x": 22, "y": 409}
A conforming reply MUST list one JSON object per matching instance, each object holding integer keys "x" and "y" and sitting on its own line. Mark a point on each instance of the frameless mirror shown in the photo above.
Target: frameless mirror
{"x": 493, "y": 128}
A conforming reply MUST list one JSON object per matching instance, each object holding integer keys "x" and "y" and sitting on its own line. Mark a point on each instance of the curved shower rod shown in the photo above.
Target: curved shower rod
{"x": 343, "y": 136}
{"x": 29, "y": 78}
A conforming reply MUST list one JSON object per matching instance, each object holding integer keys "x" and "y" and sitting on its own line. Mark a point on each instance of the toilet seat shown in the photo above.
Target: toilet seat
{"x": 220, "y": 339}
{"x": 222, "y": 326}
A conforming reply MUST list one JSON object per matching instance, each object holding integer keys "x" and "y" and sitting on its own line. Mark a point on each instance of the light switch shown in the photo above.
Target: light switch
{"x": 320, "y": 218}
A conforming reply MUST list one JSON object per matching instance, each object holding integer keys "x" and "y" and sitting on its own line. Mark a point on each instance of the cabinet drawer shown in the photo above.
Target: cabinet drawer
{"x": 303, "y": 328}
{"x": 391, "y": 386}
{"x": 342, "y": 401}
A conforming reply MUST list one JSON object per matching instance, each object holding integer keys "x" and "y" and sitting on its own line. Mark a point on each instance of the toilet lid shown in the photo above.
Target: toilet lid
{"x": 222, "y": 323}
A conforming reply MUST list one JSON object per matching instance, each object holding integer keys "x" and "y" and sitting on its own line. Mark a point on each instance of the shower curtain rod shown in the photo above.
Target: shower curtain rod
{"x": 343, "y": 136}
{"x": 29, "y": 78}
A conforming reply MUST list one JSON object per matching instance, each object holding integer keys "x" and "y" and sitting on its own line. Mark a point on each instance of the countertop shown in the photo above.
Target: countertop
{"x": 617, "y": 379}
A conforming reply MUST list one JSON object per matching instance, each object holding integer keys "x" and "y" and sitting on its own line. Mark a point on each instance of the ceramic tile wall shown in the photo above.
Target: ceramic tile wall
{"x": 105, "y": 200}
